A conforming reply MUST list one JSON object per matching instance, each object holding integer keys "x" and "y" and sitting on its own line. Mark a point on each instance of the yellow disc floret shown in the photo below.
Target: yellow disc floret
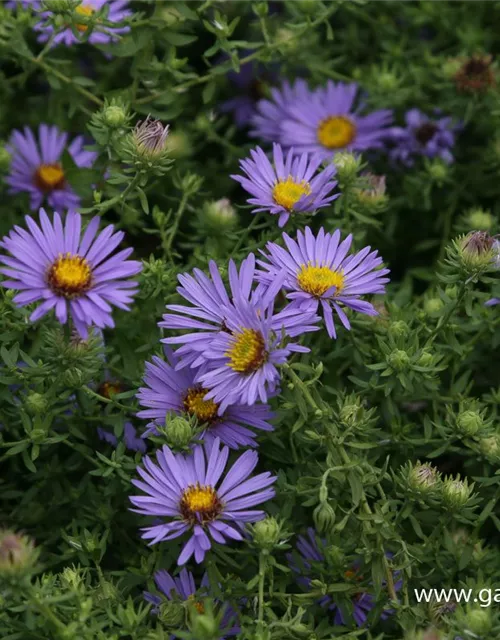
{"x": 49, "y": 177}
{"x": 288, "y": 192}
{"x": 336, "y": 132}
{"x": 84, "y": 10}
{"x": 204, "y": 410}
{"x": 248, "y": 351}
{"x": 199, "y": 503}
{"x": 317, "y": 280}
{"x": 70, "y": 275}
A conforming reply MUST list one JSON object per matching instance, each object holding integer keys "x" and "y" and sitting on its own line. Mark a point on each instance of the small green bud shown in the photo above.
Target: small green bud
{"x": 347, "y": 165}
{"x": 5, "y": 158}
{"x": 36, "y": 403}
{"x": 171, "y": 613}
{"x": 451, "y": 67}
{"x": 490, "y": 446}
{"x": 71, "y": 578}
{"x": 452, "y": 291}
{"x": 178, "y": 431}
{"x": 266, "y": 533}
{"x": 399, "y": 329}
{"x": 480, "y": 219}
{"x": 477, "y": 250}
{"x": 170, "y": 15}
{"x": 60, "y": 6}
{"x": 433, "y": 305}
{"x": 115, "y": 116}
{"x": 324, "y": 517}
{"x": 423, "y": 477}
{"x": 469, "y": 422}
{"x": 372, "y": 189}
{"x": 17, "y": 554}
{"x": 261, "y": 9}
{"x": 438, "y": 170}
{"x": 334, "y": 556}
{"x": 387, "y": 81}
{"x": 425, "y": 359}
{"x": 398, "y": 360}
{"x": 220, "y": 215}
{"x": 456, "y": 492}
{"x": 479, "y": 620}
{"x": 107, "y": 591}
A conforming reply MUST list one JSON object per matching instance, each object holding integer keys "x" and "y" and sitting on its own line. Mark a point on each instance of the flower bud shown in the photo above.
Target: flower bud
{"x": 456, "y": 492}
{"x": 36, "y": 403}
{"x": 477, "y": 250}
{"x": 398, "y": 360}
{"x": 115, "y": 116}
{"x": 266, "y": 533}
{"x": 59, "y": 6}
{"x": 480, "y": 219}
{"x": 424, "y": 477}
{"x": 347, "y": 165}
{"x": 171, "y": 613}
{"x": 324, "y": 517}
{"x": 438, "y": 610}
{"x": 178, "y": 431}
{"x": 438, "y": 170}
{"x": 220, "y": 215}
{"x": 17, "y": 554}
{"x": 433, "y": 305}
{"x": 150, "y": 138}
{"x": 71, "y": 578}
{"x": 373, "y": 189}
{"x": 479, "y": 620}
{"x": 469, "y": 422}
{"x": 398, "y": 329}
{"x": 387, "y": 81}
{"x": 425, "y": 359}
{"x": 490, "y": 446}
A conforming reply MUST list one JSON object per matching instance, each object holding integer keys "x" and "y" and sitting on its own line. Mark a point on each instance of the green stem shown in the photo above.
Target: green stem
{"x": 245, "y": 234}
{"x": 444, "y": 319}
{"x": 108, "y": 204}
{"x": 63, "y": 78}
{"x": 175, "y": 225}
{"x": 262, "y": 577}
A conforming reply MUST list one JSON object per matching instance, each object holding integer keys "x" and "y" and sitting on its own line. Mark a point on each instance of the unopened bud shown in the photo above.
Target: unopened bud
{"x": 266, "y": 533}
{"x": 221, "y": 215}
{"x": 347, "y": 165}
{"x": 456, "y": 492}
{"x": 424, "y": 477}
{"x": 171, "y": 613}
{"x": 477, "y": 250}
{"x": 398, "y": 360}
{"x": 150, "y": 138}
{"x": 479, "y": 621}
{"x": 480, "y": 219}
{"x": 324, "y": 517}
{"x": 490, "y": 446}
{"x": 36, "y": 403}
{"x": 373, "y": 189}
{"x": 17, "y": 554}
{"x": 178, "y": 431}
{"x": 399, "y": 329}
{"x": 469, "y": 422}
{"x": 425, "y": 359}
{"x": 433, "y": 305}
{"x": 115, "y": 116}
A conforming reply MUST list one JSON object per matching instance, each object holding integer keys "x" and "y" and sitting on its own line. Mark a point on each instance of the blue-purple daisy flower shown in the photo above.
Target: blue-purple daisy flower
{"x": 311, "y": 558}
{"x": 130, "y": 438}
{"x": 183, "y": 587}
{"x": 170, "y": 390}
{"x": 288, "y": 185}
{"x": 321, "y": 272}
{"x": 190, "y": 491}
{"x": 210, "y": 305}
{"x": 69, "y": 271}
{"x": 423, "y": 136}
{"x": 327, "y": 120}
{"x": 37, "y": 170}
{"x": 270, "y": 113}
{"x": 115, "y": 11}
{"x": 241, "y": 363}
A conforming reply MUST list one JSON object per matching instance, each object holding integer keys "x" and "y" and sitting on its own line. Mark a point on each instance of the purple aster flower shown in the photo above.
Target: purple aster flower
{"x": 183, "y": 587}
{"x": 69, "y": 271}
{"x": 270, "y": 113}
{"x": 362, "y": 602}
{"x": 325, "y": 121}
{"x": 130, "y": 438}
{"x": 36, "y": 166}
{"x": 288, "y": 185}
{"x": 187, "y": 490}
{"x": 114, "y": 11}
{"x": 25, "y": 4}
{"x": 211, "y": 304}
{"x": 423, "y": 136}
{"x": 169, "y": 390}
{"x": 248, "y": 83}
{"x": 320, "y": 272}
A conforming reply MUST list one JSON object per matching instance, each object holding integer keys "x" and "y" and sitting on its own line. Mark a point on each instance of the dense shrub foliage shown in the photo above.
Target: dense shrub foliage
{"x": 249, "y": 329}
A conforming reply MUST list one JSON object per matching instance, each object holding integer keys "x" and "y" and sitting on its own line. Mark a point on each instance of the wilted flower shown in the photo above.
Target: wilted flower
{"x": 36, "y": 166}
{"x": 476, "y": 74}
{"x": 185, "y": 489}
{"x": 17, "y": 554}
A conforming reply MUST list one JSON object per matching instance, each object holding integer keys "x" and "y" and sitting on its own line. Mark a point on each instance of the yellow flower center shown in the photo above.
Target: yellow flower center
{"x": 336, "y": 132}
{"x": 49, "y": 177}
{"x": 317, "y": 280}
{"x": 84, "y": 10}
{"x": 248, "y": 351}
{"x": 288, "y": 192}
{"x": 199, "y": 503}
{"x": 108, "y": 389}
{"x": 204, "y": 410}
{"x": 70, "y": 275}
